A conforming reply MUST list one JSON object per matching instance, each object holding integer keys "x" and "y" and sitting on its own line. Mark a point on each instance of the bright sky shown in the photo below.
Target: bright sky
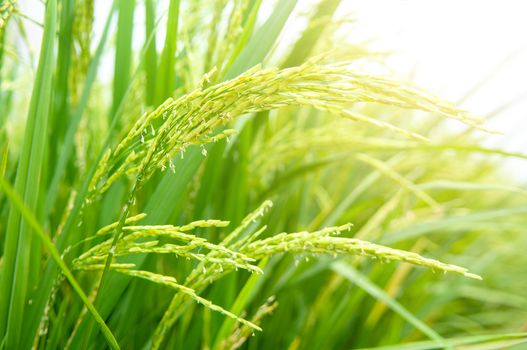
{"x": 450, "y": 46}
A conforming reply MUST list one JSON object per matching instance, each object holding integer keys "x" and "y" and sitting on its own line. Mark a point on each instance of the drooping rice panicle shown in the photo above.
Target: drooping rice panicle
{"x": 172, "y": 283}
{"x": 175, "y": 125}
{"x": 321, "y": 242}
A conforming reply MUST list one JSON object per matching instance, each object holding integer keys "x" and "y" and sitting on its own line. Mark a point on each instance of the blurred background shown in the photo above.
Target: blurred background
{"x": 470, "y": 52}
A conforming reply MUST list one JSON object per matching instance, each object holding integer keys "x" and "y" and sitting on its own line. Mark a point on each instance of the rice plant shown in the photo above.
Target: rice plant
{"x": 230, "y": 187}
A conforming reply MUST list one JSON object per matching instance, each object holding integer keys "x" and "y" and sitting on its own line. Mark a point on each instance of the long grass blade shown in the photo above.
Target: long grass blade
{"x": 21, "y": 253}
{"x": 33, "y": 222}
{"x": 354, "y": 276}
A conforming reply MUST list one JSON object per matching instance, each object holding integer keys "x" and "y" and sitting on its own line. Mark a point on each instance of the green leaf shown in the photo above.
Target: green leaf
{"x": 151, "y": 53}
{"x": 353, "y": 275}
{"x": 263, "y": 40}
{"x": 123, "y": 51}
{"x": 21, "y": 259}
{"x": 33, "y": 223}
{"x": 166, "y": 78}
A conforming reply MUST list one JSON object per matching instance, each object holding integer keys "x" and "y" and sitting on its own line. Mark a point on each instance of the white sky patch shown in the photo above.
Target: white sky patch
{"x": 448, "y": 47}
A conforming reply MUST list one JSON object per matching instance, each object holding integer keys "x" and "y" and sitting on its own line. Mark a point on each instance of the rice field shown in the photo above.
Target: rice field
{"x": 182, "y": 174}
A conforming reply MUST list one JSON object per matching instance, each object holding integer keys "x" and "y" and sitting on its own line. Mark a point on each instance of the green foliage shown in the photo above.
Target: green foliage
{"x": 222, "y": 191}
